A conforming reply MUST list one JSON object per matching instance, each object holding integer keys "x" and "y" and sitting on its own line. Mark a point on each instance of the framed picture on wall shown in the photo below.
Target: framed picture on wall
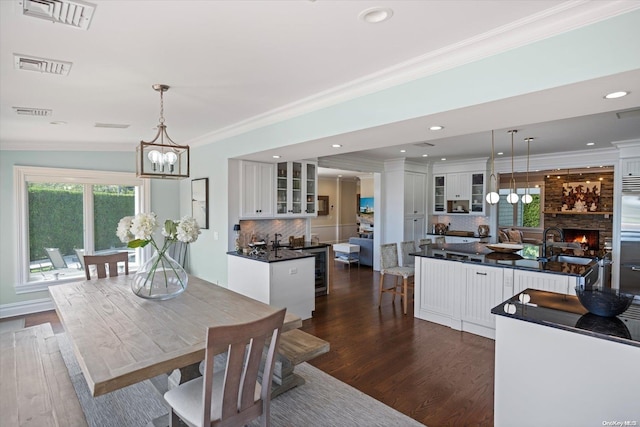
{"x": 200, "y": 201}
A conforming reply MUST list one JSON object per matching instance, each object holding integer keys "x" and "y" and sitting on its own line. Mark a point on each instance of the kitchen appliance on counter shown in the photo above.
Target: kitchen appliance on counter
{"x": 630, "y": 236}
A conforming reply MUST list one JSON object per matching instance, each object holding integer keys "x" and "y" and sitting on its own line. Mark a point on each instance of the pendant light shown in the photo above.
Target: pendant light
{"x": 161, "y": 157}
{"x": 512, "y": 197}
{"x": 526, "y": 198}
{"x": 492, "y": 196}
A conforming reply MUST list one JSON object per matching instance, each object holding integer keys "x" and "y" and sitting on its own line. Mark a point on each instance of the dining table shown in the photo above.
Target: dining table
{"x": 121, "y": 339}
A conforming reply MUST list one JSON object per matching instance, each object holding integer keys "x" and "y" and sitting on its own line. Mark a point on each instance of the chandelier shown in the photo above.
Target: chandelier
{"x": 161, "y": 157}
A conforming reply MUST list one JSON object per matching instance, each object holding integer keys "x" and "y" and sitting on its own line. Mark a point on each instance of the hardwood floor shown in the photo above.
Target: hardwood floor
{"x": 435, "y": 375}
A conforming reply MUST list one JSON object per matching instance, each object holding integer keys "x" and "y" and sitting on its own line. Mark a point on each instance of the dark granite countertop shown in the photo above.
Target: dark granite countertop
{"x": 284, "y": 253}
{"x": 478, "y": 253}
{"x": 565, "y": 312}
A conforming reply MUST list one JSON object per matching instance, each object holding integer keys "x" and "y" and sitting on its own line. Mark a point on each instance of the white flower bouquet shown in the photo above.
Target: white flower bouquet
{"x": 161, "y": 277}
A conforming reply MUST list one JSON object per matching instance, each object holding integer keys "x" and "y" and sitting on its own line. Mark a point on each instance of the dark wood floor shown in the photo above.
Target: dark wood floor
{"x": 435, "y": 375}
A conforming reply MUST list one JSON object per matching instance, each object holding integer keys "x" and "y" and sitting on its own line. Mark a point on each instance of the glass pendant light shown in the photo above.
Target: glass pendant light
{"x": 526, "y": 198}
{"x": 512, "y": 197}
{"x": 492, "y": 196}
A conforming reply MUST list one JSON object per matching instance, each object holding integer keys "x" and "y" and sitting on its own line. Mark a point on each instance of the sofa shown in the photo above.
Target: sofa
{"x": 366, "y": 249}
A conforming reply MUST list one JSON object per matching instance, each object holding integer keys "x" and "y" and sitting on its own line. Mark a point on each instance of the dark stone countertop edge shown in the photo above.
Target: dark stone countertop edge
{"x": 269, "y": 257}
{"x": 539, "y": 320}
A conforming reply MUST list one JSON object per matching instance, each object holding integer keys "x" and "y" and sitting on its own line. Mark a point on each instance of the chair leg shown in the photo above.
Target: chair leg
{"x": 381, "y": 286}
{"x": 405, "y": 295}
{"x": 395, "y": 288}
{"x": 174, "y": 420}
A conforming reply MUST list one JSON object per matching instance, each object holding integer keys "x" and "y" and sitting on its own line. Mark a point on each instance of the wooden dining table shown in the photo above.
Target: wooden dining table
{"x": 121, "y": 339}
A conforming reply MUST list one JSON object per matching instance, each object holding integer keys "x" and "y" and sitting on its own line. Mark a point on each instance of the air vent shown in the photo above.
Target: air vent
{"x": 423, "y": 144}
{"x": 111, "y": 125}
{"x": 76, "y": 14}
{"x": 628, "y": 113}
{"x": 631, "y": 184}
{"x": 42, "y": 65}
{"x": 38, "y": 112}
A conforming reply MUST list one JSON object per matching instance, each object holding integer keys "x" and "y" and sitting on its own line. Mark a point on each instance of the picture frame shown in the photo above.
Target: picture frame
{"x": 200, "y": 201}
{"x": 323, "y": 205}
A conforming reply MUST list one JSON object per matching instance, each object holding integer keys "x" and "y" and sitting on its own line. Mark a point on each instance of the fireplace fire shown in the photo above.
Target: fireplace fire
{"x": 588, "y": 239}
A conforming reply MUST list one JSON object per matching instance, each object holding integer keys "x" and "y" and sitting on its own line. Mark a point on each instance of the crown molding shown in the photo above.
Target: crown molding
{"x": 567, "y": 16}
{"x": 561, "y": 160}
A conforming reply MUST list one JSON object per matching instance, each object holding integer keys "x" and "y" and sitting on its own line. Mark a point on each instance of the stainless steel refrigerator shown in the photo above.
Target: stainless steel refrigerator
{"x": 630, "y": 242}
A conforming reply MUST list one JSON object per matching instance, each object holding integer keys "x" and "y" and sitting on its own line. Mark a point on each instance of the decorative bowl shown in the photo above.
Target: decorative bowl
{"x": 505, "y": 247}
{"x": 604, "y": 302}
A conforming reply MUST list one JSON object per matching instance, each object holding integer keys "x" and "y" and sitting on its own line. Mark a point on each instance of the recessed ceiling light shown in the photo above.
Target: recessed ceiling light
{"x": 591, "y": 143}
{"x": 276, "y": 156}
{"x": 614, "y": 95}
{"x": 444, "y": 158}
{"x": 425, "y": 155}
{"x": 403, "y": 151}
{"x": 436, "y": 128}
{"x": 336, "y": 145}
{"x": 375, "y": 15}
{"x": 58, "y": 122}
{"x": 500, "y": 153}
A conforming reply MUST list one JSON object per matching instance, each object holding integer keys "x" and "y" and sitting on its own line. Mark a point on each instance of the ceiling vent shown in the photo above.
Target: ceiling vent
{"x": 423, "y": 144}
{"x": 38, "y": 112}
{"x": 111, "y": 125}
{"x": 76, "y": 14}
{"x": 42, "y": 65}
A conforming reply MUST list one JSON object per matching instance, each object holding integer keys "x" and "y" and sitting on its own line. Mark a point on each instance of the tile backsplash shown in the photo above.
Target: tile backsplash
{"x": 263, "y": 227}
{"x": 460, "y": 222}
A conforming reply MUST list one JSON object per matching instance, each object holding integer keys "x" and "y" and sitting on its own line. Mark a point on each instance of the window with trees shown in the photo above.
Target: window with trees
{"x": 64, "y": 214}
{"x": 520, "y": 214}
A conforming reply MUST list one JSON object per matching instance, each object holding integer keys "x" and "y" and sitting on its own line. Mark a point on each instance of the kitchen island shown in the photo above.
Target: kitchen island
{"x": 282, "y": 278}
{"x": 557, "y": 364}
{"x": 458, "y": 284}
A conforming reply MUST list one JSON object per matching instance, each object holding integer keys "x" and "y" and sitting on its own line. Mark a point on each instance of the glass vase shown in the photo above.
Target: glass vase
{"x": 160, "y": 278}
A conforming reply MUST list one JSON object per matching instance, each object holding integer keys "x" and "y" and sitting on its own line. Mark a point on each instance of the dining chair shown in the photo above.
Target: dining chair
{"x": 405, "y": 249}
{"x": 389, "y": 265}
{"x": 424, "y": 242}
{"x": 100, "y": 261}
{"x": 232, "y": 396}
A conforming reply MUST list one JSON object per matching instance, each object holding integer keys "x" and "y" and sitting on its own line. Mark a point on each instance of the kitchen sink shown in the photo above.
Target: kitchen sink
{"x": 570, "y": 259}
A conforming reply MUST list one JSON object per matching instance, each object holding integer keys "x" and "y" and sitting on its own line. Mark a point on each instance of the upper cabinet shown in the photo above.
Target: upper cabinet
{"x": 257, "y": 195}
{"x": 631, "y": 167}
{"x": 296, "y": 189}
{"x": 459, "y": 193}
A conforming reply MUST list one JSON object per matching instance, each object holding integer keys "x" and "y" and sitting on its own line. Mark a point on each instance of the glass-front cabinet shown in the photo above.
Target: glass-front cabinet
{"x": 439, "y": 202}
{"x": 477, "y": 193}
{"x": 296, "y": 189}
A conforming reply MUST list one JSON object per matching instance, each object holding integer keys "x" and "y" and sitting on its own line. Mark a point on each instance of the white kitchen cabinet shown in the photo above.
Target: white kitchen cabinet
{"x": 464, "y": 190}
{"x": 256, "y": 187}
{"x": 459, "y": 186}
{"x": 436, "y": 290}
{"x": 439, "y": 194}
{"x": 414, "y": 194}
{"x": 414, "y": 228}
{"x": 543, "y": 281}
{"x": 631, "y": 166}
{"x": 482, "y": 292}
{"x": 296, "y": 189}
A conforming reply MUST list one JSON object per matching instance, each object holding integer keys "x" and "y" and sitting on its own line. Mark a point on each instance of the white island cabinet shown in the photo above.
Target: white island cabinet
{"x": 286, "y": 283}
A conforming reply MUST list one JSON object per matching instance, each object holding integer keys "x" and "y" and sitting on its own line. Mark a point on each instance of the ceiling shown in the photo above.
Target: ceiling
{"x": 238, "y": 62}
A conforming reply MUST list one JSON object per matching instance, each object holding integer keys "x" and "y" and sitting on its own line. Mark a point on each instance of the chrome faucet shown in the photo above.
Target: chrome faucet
{"x": 544, "y": 241}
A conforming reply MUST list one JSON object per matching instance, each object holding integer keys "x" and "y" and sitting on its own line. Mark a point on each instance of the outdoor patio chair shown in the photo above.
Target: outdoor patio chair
{"x": 57, "y": 261}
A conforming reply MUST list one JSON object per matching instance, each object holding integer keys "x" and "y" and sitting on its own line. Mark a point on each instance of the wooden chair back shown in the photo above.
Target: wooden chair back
{"x": 178, "y": 251}
{"x": 101, "y": 261}
{"x": 239, "y": 398}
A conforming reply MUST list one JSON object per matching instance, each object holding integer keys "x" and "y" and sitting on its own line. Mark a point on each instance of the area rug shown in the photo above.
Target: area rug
{"x": 322, "y": 401}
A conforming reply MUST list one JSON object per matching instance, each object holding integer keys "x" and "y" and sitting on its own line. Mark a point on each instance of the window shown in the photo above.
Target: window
{"x": 63, "y": 214}
{"x": 520, "y": 214}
